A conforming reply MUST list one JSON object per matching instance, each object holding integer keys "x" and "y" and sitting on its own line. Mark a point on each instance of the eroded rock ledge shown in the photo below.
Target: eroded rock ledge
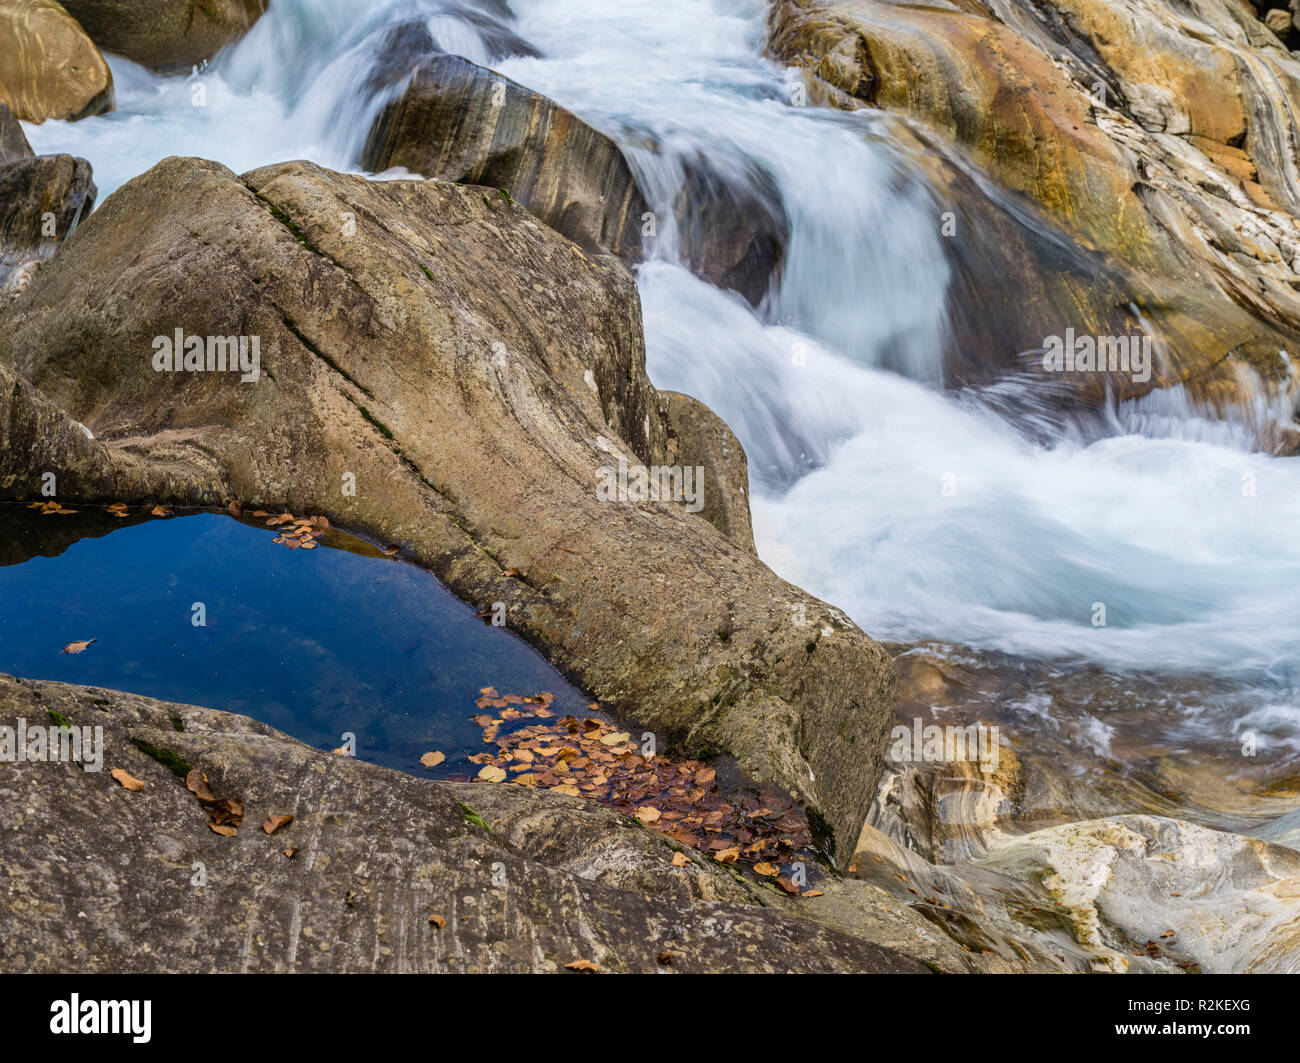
{"x": 103, "y": 879}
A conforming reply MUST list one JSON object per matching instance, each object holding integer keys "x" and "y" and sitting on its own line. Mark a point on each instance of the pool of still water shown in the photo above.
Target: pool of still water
{"x": 316, "y": 643}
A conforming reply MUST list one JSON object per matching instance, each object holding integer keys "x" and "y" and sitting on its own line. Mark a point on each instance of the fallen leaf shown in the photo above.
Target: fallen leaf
{"x": 392, "y": 550}
{"x": 128, "y": 780}
{"x": 222, "y": 829}
{"x": 728, "y": 856}
{"x": 767, "y": 870}
{"x": 197, "y": 784}
{"x": 812, "y": 893}
{"x": 290, "y": 853}
{"x": 432, "y": 760}
{"x": 234, "y": 508}
{"x": 680, "y": 859}
{"x": 491, "y": 773}
{"x": 646, "y": 814}
{"x": 508, "y": 573}
{"x": 78, "y": 647}
{"x": 437, "y": 920}
{"x": 273, "y": 823}
{"x": 586, "y": 966}
{"x": 160, "y": 511}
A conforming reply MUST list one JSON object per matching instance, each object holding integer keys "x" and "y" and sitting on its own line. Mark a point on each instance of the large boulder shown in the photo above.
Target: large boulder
{"x": 460, "y": 122}
{"x": 441, "y": 371}
{"x": 49, "y": 68}
{"x": 1157, "y": 149}
{"x": 135, "y": 880}
{"x": 166, "y": 35}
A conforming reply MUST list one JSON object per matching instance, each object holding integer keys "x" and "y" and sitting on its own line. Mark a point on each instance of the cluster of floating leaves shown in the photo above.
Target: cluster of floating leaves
{"x": 299, "y": 533}
{"x": 682, "y": 799}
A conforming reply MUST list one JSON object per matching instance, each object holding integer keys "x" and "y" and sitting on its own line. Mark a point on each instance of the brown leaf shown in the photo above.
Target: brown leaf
{"x": 160, "y": 511}
{"x": 680, "y": 859}
{"x": 767, "y": 870}
{"x": 432, "y": 760}
{"x": 392, "y": 550}
{"x": 78, "y": 647}
{"x": 585, "y": 966}
{"x": 222, "y": 829}
{"x": 197, "y": 784}
{"x": 812, "y": 893}
{"x": 290, "y": 853}
{"x": 128, "y": 780}
{"x": 508, "y": 573}
{"x": 728, "y": 856}
{"x": 234, "y": 508}
{"x": 273, "y": 823}
{"x": 491, "y": 773}
{"x": 647, "y": 814}
{"x": 437, "y": 920}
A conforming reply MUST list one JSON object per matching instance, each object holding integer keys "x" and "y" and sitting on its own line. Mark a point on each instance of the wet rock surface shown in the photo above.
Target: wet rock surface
{"x": 1104, "y": 117}
{"x": 460, "y": 122}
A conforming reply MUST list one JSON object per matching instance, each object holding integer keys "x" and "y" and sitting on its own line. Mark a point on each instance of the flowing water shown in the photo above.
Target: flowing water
{"x": 921, "y": 512}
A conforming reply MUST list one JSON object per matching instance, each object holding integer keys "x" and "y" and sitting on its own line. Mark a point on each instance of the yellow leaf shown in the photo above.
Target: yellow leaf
{"x": 432, "y": 760}
{"x": 680, "y": 859}
{"x": 646, "y": 814}
{"x": 437, "y": 920}
{"x": 585, "y": 966}
{"x": 768, "y": 870}
{"x": 728, "y": 856}
{"x": 491, "y": 773}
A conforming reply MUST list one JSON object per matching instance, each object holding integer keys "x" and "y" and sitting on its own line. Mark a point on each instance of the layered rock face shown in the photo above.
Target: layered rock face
{"x": 522, "y": 881}
{"x": 441, "y": 371}
{"x": 460, "y": 122}
{"x": 49, "y": 67}
{"x": 166, "y": 35}
{"x": 1159, "y": 139}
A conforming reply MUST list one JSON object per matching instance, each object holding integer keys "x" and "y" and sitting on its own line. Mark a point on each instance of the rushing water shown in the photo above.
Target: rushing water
{"x": 921, "y": 512}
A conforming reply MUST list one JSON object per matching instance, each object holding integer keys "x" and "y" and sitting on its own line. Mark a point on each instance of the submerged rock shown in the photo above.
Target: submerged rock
{"x": 459, "y": 122}
{"x": 49, "y": 68}
{"x": 166, "y": 35}
{"x": 518, "y": 880}
{"x": 438, "y": 370}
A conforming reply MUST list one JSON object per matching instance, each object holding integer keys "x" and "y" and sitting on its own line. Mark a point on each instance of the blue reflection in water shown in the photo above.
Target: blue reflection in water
{"x": 315, "y": 643}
